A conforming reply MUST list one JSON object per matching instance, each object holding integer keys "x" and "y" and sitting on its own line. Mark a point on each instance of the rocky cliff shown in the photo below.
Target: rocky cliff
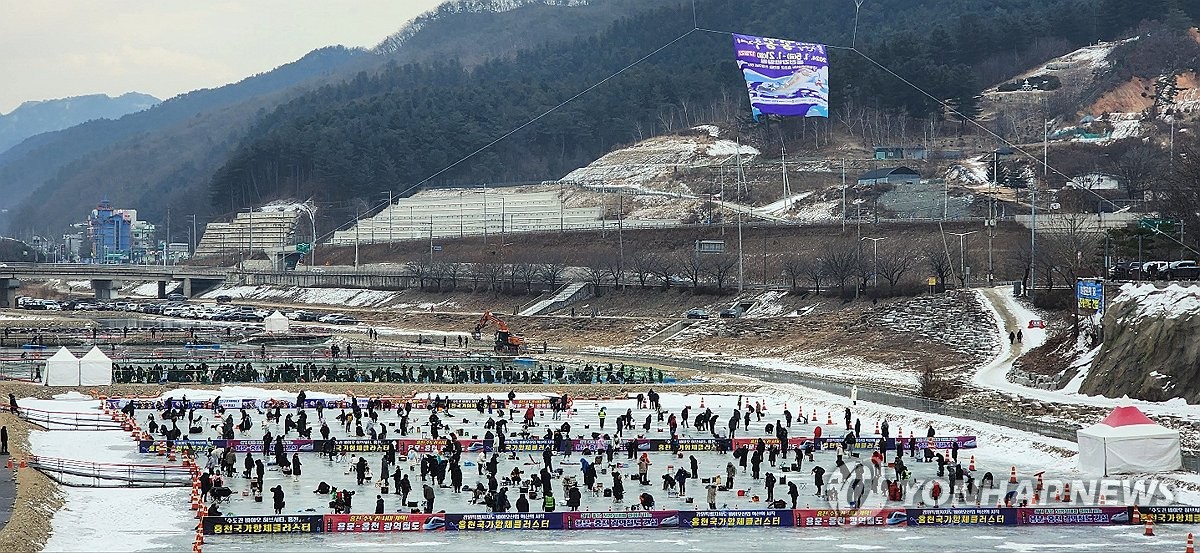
{"x": 1151, "y": 347}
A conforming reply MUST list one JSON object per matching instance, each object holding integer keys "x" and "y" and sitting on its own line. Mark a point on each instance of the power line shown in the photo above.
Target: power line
{"x": 530, "y": 121}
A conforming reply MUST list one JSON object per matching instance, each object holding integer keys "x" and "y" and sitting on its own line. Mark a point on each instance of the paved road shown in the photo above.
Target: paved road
{"x": 8, "y": 493}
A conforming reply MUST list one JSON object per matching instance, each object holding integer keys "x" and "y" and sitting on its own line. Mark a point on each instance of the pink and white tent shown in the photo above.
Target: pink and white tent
{"x": 1128, "y": 442}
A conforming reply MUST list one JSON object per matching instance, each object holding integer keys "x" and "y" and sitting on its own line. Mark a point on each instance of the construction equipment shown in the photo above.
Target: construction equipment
{"x": 507, "y": 343}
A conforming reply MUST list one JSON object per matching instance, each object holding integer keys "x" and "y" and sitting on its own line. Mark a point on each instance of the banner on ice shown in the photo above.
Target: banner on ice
{"x": 784, "y": 77}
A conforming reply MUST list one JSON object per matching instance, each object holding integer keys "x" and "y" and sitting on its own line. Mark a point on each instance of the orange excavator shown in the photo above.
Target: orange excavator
{"x": 507, "y": 343}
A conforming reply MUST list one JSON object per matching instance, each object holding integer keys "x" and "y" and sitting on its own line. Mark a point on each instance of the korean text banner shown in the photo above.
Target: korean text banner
{"x": 784, "y": 77}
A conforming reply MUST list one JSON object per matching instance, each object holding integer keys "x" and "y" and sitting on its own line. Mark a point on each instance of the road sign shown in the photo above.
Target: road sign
{"x": 932, "y": 281}
{"x": 437, "y": 247}
{"x": 1089, "y": 293}
{"x": 1157, "y": 224}
{"x": 304, "y": 247}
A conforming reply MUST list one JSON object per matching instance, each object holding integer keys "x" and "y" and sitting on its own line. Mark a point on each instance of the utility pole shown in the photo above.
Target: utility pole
{"x": 194, "y": 239}
{"x": 168, "y": 252}
{"x": 431, "y": 241}
{"x": 843, "y": 195}
{"x": 962, "y": 251}
{"x": 391, "y": 219}
{"x": 741, "y": 268}
{"x": 620, "y": 237}
{"x": 875, "y": 271}
{"x": 357, "y": 217}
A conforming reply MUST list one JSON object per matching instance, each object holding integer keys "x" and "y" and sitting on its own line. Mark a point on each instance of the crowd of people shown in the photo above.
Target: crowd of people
{"x": 608, "y": 462}
{"x": 404, "y": 373}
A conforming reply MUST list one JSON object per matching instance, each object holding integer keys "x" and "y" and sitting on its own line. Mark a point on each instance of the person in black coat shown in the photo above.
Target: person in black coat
{"x": 360, "y": 469}
{"x": 379, "y": 504}
{"x": 522, "y": 504}
{"x": 405, "y": 489}
{"x": 428, "y": 491}
{"x": 277, "y": 495}
{"x": 296, "y": 465}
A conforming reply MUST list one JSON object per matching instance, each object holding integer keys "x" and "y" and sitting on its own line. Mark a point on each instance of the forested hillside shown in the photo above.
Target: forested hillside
{"x": 395, "y": 128}
{"x": 167, "y": 156}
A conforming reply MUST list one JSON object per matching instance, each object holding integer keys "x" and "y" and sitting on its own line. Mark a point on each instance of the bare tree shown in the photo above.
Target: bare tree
{"x": 894, "y": 263}
{"x": 840, "y": 261}
{"x": 552, "y": 271}
{"x": 795, "y": 268}
{"x": 596, "y": 274}
{"x": 643, "y": 267}
{"x": 938, "y": 261}
{"x": 721, "y": 269}
{"x": 692, "y": 266}
{"x": 418, "y": 270}
{"x": 490, "y": 272}
{"x": 664, "y": 270}
{"x": 1137, "y": 169}
{"x": 452, "y": 270}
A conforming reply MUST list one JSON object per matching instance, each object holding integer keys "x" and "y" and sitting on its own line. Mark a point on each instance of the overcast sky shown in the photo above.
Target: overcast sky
{"x": 59, "y": 48}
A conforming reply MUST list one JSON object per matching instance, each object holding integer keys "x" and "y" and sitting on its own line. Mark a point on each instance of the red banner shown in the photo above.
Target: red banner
{"x": 396, "y": 522}
{"x": 851, "y": 517}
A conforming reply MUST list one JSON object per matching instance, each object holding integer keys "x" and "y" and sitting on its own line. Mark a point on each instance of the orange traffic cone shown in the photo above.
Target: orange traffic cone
{"x": 1012, "y": 478}
{"x": 1137, "y": 515}
{"x": 22, "y": 462}
{"x": 1149, "y": 527}
{"x": 1067, "y": 493}
{"x": 876, "y": 428}
{"x": 1039, "y": 482}
{"x": 701, "y": 402}
{"x": 1036, "y": 499}
{"x": 828, "y": 418}
{"x": 1102, "y": 498}
{"x": 814, "y": 417}
{"x": 1191, "y": 548}
{"x": 971, "y": 466}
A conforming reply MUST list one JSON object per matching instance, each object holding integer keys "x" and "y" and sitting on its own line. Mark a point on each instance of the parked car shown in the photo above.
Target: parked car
{"x": 1183, "y": 270}
{"x": 697, "y": 314}
{"x": 176, "y": 296}
{"x": 731, "y": 313}
{"x": 1154, "y": 270}
{"x": 338, "y": 319}
{"x": 224, "y": 298}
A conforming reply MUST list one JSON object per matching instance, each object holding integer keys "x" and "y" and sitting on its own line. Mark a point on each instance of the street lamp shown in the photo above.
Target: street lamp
{"x": 875, "y": 271}
{"x": 962, "y": 253}
{"x": 391, "y": 217}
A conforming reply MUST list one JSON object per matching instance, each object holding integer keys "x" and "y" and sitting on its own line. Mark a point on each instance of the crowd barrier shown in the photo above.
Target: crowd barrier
{"x": 405, "y": 446}
{"x": 772, "y": 518}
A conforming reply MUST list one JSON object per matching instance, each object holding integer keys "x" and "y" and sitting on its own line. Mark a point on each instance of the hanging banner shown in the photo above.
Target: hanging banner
{"x": 724, "y": 519}
{"x": 1072, "y": 515}
{"x": 784, "y": 77}
{"x": 850, "y": 517}
{"x": 504, "y": 521}
{"x": 397, "y": 522}
{"x": 620, "y": 520}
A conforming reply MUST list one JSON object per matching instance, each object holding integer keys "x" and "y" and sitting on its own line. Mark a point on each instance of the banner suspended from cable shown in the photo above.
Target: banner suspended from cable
{"x": 784, "y": 77}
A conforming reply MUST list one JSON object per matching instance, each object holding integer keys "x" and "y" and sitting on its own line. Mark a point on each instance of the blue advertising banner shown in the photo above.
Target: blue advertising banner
{"x": 784, "y": 77}
{"x": 1090, "y": 294}
{"x": 277, "y": 524}
{"x": 968, "y": 517}
{"x": 504, "y": 521}
{"x": 784, "y": 518}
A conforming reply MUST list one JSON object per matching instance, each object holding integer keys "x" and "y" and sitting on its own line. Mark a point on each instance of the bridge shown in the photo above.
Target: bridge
{"x": 106, "y": 279}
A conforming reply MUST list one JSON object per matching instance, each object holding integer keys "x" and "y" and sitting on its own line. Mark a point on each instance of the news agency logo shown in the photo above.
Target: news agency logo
{"x": 862, "y": 485}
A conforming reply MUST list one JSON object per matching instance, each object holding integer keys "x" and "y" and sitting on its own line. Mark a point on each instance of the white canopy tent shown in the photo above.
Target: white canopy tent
{"x": 276, "y": 322}
{"x": 62, "y": 369}
{"x": 95, "y": 368}
{"x": 1128, "y": 442}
